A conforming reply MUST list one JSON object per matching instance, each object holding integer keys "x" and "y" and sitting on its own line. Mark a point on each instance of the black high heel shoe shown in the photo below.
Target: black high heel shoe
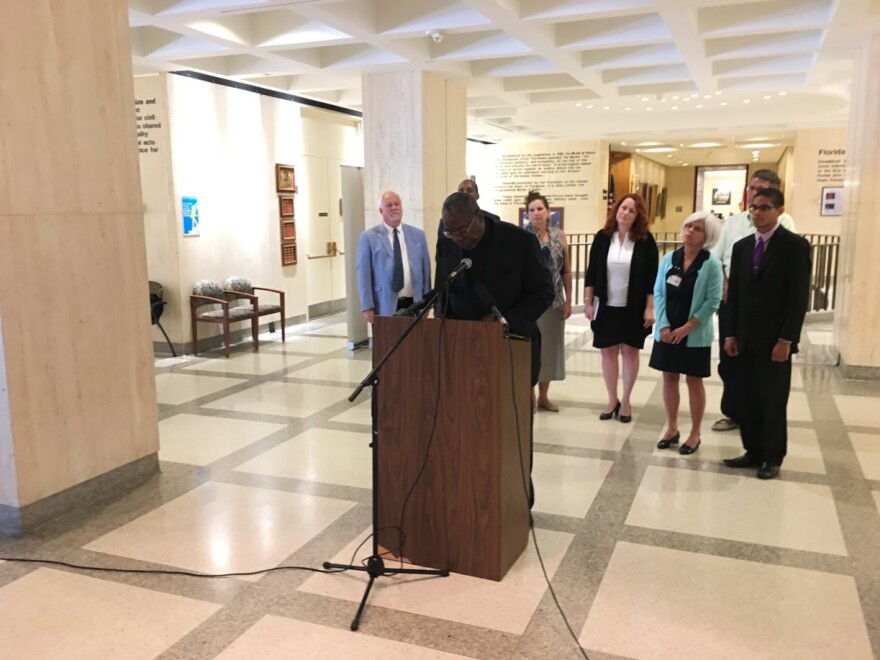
{"x": 608, "y": 415}
{"x": 686, "y": 449}
{"x": 625, "y": 419}
{"x": 666, "y": 443}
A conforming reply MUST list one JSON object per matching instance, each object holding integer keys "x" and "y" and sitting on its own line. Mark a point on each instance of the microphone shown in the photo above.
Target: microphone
{"x": 486, "y": 298}
{"x": 464, "y": 264}
{"x": 417, "y": 307}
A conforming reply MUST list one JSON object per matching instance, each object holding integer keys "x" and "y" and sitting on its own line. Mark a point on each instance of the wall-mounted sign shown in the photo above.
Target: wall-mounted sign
{"x": 832, "y": 201}
{"x": 190, "y": 206}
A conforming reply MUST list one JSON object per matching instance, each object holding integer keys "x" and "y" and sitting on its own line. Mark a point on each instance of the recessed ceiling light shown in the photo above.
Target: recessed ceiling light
{"x": 662, "y": 100}
{"x": 650, "y": 144}
{"x": 704, "y": 145}
{"x": 607, "y": 107}
{"x": 718, "y": 93}
{"x": 675, "y": 98}
{"x": 707, "y": 96}
{"x": 724, "y": 103}
{"x": 623, "y": 143}
{"x": 649, "y": 108}
{"x": 693, "y": 96}
{"x": 684, "y": 164}
{"x": 627, "y": 109}
{"x": 675, "y": 107}
{"x": 645, "y": 98}
{"x": 782, "y": 93}
{"x": 669, "y": 155}
{"x": 589, "y": 107}
{"x": 658, "y": 150}
{"x": 747, "y": 100}
{"x": 579, "y": 104}
{"x": 700, "y": 105}
{"x": 686, "y": 98}
{"x": 767, "y": 97}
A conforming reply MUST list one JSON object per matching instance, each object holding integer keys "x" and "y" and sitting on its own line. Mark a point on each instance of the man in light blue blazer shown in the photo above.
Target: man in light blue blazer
{"x": 393, "y": 266}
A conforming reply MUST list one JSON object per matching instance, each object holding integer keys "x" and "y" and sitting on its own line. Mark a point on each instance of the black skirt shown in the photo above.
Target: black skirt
{"x": 618, "y": 325}
{"x": 681, "y": 359}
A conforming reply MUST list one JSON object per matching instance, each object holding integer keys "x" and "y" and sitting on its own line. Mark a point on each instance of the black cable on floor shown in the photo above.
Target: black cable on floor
{"x": 526, "y": 483}
{"x": 160, "y": 571}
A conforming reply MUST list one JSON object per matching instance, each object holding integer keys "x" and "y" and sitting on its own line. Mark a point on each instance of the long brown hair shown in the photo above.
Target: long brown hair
{"x": 639, "y": 231}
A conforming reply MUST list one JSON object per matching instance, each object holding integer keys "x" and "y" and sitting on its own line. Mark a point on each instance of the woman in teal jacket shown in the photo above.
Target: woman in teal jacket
{"x": 686, "y": 294}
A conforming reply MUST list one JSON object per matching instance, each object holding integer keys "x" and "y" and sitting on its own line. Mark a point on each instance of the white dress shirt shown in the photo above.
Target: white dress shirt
{"x": 407, "y": 290}
{"x": 618, "y": 266}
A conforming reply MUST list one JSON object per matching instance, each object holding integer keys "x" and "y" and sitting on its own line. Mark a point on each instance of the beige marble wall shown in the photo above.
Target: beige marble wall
{"x": 414, "y": 142}
{"x": 803, "y": 193}
{"x": 858, "y": 313}
{"x": 73, "y": 280}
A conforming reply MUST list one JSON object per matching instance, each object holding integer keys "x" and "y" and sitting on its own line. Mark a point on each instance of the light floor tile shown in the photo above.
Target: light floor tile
{"x": 804, "y": 454}
{"x": 308, "y": 344}
{"x": 200, "y": 440}
{"x": 506, "y": 606}
{"x": 339, "y": 370}
{"x": 334, "y": 330}
{"x": 249, "y": 363}
{"x": 332, "y": 457}
{"x": 580, "y": 427}
{"x": 221, "y": 528}
{"x": 591, "y": 389}
{"x": 797, "y": 378}
{"x": 177, "y": 388}
{"x": 567, "y": 485}
{"x": 55, "y": 614}
{"x": 858, "y": 410}
{"x": 738, "y": 507}
{"x": 359, "y": 413}
{"x": 277, "y": 637}
{"x": 171, "y": 361}
{"x": 867, "y": 448}
{"x": 798, "y": 408}
{"x": 289, "y": 399}
{"x": 658, "y": 603}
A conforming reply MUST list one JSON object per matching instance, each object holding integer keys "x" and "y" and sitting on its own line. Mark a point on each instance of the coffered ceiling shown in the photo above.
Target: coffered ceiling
{"x": 660, "y": 76}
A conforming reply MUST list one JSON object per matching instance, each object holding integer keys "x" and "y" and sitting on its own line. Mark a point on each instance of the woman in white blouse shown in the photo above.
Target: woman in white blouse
{"x": 619, "y": 298}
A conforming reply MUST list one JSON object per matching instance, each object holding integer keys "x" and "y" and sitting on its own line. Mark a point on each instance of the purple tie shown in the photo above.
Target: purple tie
{"x": 758, "y": 254}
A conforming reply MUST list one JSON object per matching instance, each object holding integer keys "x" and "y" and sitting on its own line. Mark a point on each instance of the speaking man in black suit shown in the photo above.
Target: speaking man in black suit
{"x": 767, "y": 300}
{"x": 506, "y": 267}
{"x": 506, "y": 260}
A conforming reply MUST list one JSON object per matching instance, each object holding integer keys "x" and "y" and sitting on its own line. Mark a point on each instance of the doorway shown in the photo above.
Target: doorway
{"x": 720, "y": 189}
{"x": 325, "y": 244}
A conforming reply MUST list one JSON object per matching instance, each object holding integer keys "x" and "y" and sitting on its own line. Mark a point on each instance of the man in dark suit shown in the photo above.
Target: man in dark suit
{"x": 767, "y": 300}
{"x": 505, "y": 259}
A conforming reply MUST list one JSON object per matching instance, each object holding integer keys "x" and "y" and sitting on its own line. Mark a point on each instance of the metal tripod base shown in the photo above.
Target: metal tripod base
{"x": 375, "y": 568}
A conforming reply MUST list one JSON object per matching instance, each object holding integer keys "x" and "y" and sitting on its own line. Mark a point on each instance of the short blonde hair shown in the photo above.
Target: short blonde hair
{"x": 712, "y": 226}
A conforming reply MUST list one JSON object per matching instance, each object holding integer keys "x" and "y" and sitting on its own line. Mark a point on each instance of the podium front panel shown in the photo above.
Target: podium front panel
{"x": 468, "y": 511}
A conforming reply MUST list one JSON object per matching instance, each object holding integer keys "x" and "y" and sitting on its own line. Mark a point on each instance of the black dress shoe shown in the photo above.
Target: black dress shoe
{"x": 666, "y": 443}
{"x": 608, "y": 415}
{"x": 743, "y": 461}
{"x": 767, "y": 471}
{"x": 686, "y": 449}
{"x": 626, "y": 419}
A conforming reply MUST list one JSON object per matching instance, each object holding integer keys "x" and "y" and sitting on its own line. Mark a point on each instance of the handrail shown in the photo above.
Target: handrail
{"x": 824, "y": 254}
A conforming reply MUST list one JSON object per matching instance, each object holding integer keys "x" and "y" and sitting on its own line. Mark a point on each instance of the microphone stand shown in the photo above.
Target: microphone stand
{"x": 375, "y": 567}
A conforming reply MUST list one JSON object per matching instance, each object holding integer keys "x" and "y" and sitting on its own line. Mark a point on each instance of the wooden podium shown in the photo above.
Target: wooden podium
{"x": 469, "y": 511}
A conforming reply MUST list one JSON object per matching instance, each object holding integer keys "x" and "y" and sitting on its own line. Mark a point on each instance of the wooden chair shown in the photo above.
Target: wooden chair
{"x": 209, "y": 292}
{"x": 241, "y": 287}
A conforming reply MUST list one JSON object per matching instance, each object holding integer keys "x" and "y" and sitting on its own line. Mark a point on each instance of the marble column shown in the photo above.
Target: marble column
{"x": 415, "y": 130}
{"x": 78, "y": 412}
{"x": 857, "y": 316}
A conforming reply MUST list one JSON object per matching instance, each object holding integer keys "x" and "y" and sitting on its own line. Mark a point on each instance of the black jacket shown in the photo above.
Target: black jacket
{"x": 770, "y": 304}
{"x": 509, "y": 264}
{"x": 642, "y": 272}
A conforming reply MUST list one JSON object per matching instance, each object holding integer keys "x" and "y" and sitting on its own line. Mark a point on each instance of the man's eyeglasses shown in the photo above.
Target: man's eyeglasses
{"x": 763, "y": 208}
{"x": 458, "y": 233}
